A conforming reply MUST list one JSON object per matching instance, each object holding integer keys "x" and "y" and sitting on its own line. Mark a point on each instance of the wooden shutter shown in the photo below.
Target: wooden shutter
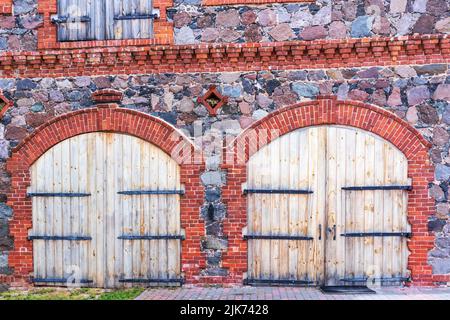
{"x": 129, "y": 19}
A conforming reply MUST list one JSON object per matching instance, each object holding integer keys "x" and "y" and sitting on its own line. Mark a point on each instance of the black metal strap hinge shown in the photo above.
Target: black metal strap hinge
{"x": 365, "y": 279}
{"x": 151, "y": 237}
{"x": 150, "y": 192}
{"x": 278, "y": 191}
{"x": 376, "y": 234}
{"x": 66, "y": 19}
{"x": 276, "y": 237}
{"x": 70, "y": 238}
{"x": 362, "y": 188}
{"x": 136, "y": 16}
{"x": 57, "y": 194}
{"x": 152, "y": 280}
{"x": 252, "y": 281}
{"x": 60, "y": 280}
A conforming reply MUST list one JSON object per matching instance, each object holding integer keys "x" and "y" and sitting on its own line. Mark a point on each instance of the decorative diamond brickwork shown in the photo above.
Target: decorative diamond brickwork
{"x": 213, "y": 100}
{"x": 5, "y": 104}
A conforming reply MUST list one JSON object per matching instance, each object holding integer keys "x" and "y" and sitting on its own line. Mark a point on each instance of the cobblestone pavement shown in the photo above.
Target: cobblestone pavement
{"x": 289, "y": 293}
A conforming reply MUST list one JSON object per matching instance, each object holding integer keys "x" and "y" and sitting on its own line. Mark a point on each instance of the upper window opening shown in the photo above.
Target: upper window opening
{"x": 104, "y": 20}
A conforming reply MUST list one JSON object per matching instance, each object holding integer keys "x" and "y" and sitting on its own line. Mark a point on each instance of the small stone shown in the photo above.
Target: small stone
{"x": 370, "y": 73}
{"x": 361, "y": 27}
{"x": 263, "y": 101}
{"x": 7, "y": 22}
{"x": 37, "y": 107}
{"x": 342, "y": 93}
{"x": 102, "y": 82}
{"x": 404, "y": 24}
{"x": 259, "y": 114}
{"x": 82, "y": 81}
{"x": 440, "y": 266}
{"x": 185, "y": 35}
{"x": 15, "y": 133}
{"x": 4, "y": 149}
{"x": 436, "y": 225}
{"x": 32, "y": 22}
{"x": 431, "y": 69}
{"x": 358, "y": 95}
{"x": 25, "y": 84}
{"x": 405, "y": 71}
{"x": 305, "y": 89}
{"x": 443, "y": 26}
{"x": 398, "y": 6}
{"x": 412, "y": 115}
{"x": 323, "y": 16}
{"x": 227, "y": 126}
{"x": 210, "y": 35}
{"x": 56, "y": 96}
{"x": 214, "y": 243}
{"x": 232, "y": 91}
{"x": 212, "y": 162}
{"x": 427, "y": 114}
{"x": 25, "y": 102}
{"x": 229, "y": 77}
{"x": 253, "y": 33}
{"x": 378, "y": 98}
{"x": 5, "y": 211}
{"x": 229, "y": 35}
{"x": 212, "y": 194}
{"x": 335, "y": 74}
{"x": 382, "y": 26}
{"x": 204, "y": 22}
{"x": 420, "y": 6}
{"x": 395, "y": 98}
{"x": 437, "y": 7}
{"x": 436, "y": 193}
{"x": 186, "y": 105}
{"x": 440, "y": 136}
{"x": 181, "y": 19}
{"x": 245, "y": 108}
{"x": 245, "y": 121}
{"x": 228, "y": 18}
{"x": 36, "y": 119}
{"x": 442, "y": 92}
{"x": 23, "y": 6}
{"x": 267, "y": 17}
{"x": 65, "y": 84}
{"x": 213, "y": 178}
{"x": 424, "y": 24}
{"x": 338, "y": 30}
{"x": 282, "y": 32}
{"x": 312, "y": 33}
{"x": 417, "y": 95}
{"x": 442, "y": 172}
{"x": 442, "y": 210}
{"x": 248, "y": 17}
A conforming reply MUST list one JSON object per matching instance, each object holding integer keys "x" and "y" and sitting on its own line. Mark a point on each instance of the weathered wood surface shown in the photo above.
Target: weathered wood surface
{"x": 105, "y": 20}
{"x": 324, "y": 159}
{"x": 103, "y": 164}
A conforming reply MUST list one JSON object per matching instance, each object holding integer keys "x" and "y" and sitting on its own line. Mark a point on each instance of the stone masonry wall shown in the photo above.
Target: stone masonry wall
{"x": 18, "y": 28}
{"x": 322, "y": 19}
{"x": 418, "y": 94}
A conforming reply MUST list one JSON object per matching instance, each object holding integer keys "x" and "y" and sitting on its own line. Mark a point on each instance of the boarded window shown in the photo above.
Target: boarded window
{"x": 104, "y": 19}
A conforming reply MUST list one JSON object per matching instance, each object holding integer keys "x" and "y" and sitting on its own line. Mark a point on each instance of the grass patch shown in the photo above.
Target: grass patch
{"x": 71, "y": 294}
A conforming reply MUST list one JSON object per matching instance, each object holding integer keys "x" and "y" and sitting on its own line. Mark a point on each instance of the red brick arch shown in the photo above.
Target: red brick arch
{"x": 107, "y": 118}
{"x": 328, "y": 110}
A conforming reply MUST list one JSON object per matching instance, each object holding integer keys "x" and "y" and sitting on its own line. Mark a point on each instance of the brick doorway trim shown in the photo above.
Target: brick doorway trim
{"x": 106, "y": 118}
{"x": 323, "y": 111}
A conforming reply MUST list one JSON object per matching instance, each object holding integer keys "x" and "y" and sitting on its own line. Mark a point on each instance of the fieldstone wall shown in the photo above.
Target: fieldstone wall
{"x": 323, "y": 19}
{"x": 418, "y": 94}
{"x": 18, "y": 29}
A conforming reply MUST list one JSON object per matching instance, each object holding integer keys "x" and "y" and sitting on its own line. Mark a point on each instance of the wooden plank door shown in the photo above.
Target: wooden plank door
{"x": 366, "y": 209}
{"x": 286, "y": 202}
{"x": 105, "y": 213}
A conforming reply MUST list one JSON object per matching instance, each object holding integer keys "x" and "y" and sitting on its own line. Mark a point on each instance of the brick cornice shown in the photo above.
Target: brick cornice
{"x": 378, "y": 51}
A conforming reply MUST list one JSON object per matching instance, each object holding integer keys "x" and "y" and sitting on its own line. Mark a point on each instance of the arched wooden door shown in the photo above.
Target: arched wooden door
{"x": 106, "y": 212}
{"x": 327, "y": 205}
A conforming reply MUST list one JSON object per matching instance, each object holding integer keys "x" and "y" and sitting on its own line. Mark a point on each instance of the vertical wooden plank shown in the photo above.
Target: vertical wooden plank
{"x": 57, "y": 207}
{"x": 66, "y": 212}
{"x": 294, "y": 201}
{"x": 80, "y": 152}
{"x": 127, "y": 207}
{"x": 304, "y": 203}
{"x": 387, "y": 212}
{"x": 154, "y": 216}
{"x": 274, "y": 214}
{"x": 369, "y": 206}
